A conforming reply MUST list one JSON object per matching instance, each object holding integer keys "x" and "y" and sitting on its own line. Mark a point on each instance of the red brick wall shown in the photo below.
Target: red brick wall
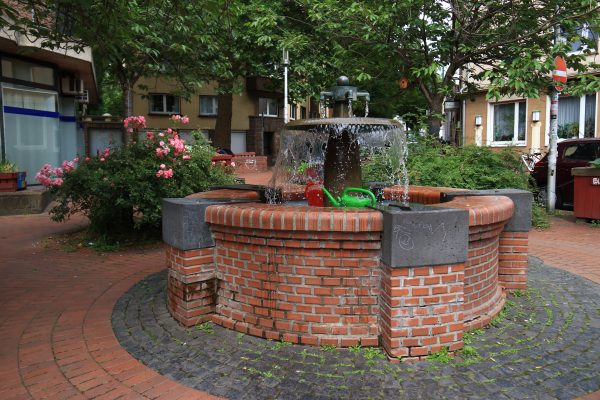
{"x": 418, "y": 194}
{"x": 513, "y": 252}
{"x": 421, "y": 309}
{"x": 191, "y": 284}
{"x": 249, "y": 163}
{"x": 482, "y": 292}
{"x": 313, "y": 276}
{"x": 483, "y": 296}
{"x": 319, "y": 288}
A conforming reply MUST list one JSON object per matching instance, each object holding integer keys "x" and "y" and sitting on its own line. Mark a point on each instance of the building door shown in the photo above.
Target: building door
{"x": 238, "y": 142}
{"x": 31, "y": 128}
{"x": 268, "y": 143}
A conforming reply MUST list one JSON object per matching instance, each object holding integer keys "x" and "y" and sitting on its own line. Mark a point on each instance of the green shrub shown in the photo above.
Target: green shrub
{"x": 431, "y": 163}
{"x": 120, "y": 190}
{"x": 539, "y": 216}
{"x": 376, "y": 169}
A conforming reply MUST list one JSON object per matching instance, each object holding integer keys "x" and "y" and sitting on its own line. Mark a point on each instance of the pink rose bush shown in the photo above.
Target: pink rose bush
{"x": 120, "y": 189}
{"x": 49, "y": 176}
{"x": 134, "y": 123}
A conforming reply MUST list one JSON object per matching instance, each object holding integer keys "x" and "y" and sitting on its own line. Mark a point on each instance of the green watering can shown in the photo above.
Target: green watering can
{"x": 348, "y": 200}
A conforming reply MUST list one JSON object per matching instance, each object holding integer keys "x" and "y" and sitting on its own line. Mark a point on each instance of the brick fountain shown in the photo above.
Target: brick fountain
{"x": 411, "y": 281}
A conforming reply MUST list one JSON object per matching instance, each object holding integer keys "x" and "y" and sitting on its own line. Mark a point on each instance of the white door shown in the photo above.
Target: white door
{"x": 238, "y": 142}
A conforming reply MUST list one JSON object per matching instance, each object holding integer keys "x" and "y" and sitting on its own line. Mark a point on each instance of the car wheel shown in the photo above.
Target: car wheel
{"x": 559, "y": 202}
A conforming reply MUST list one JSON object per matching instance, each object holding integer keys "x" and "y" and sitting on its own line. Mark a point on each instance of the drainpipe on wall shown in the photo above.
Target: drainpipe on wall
{"x": 2, "y": 139}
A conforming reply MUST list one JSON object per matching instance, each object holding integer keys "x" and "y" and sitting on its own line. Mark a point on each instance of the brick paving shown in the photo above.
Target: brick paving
{"x": 571, "y": 245}
{"x": 57, "y": 342}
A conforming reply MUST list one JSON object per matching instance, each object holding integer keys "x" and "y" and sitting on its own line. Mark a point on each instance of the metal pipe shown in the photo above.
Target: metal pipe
{"x": 286, "y": 62}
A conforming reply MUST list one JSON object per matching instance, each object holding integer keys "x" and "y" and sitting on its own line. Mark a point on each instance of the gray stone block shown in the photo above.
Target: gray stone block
{"x": 183, "y": 223}
{"x": 523, "y": 199}
{"x": 424, "y": 236}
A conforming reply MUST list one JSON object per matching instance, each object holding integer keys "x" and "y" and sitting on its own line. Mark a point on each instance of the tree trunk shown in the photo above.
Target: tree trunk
{"x": 434, "y": 120}
{"x": 223, "y": 125}
{"x": 127, "y": 99}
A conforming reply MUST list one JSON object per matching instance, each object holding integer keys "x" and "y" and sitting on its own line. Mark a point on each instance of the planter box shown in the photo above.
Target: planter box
{"x": 587, "y": 192}
{"x": 8, "y": 181}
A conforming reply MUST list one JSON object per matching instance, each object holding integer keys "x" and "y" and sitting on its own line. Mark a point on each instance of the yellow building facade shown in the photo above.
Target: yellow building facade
{"x": 524, "y": 123}
{"x": 257, "y": 116}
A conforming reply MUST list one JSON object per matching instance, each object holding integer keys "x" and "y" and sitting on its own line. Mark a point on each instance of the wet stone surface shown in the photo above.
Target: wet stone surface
{"x": 546, "y": 345}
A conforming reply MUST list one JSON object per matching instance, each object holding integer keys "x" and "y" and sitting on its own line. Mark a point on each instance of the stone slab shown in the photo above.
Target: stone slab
{"x": 30, "y": 201}
{"x": 522, "y": 199}
{"x": 424, "y": 236}
{"x": 183, "y": 223}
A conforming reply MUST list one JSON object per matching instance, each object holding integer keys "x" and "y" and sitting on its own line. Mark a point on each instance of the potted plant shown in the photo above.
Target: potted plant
{"x": 8, "y": 177}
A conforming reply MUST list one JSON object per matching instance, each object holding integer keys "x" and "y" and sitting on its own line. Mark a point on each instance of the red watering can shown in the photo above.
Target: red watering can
{"x": 314, "y": 194}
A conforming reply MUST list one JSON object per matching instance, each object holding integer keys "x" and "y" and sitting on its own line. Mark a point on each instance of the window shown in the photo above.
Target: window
{"x": 164, "y": 104}
{"x": 509, "y": 120}
{"x": 576, "y": 116}
{"x": 587, "y": 39}
{"x": 293, "y": 111}
{"x": 267, "y": 107}
{"x": 209, "y": 105}
{"x": 582, "y": 151}
{"x": 26, "y": 71}
{"x": 302, "y": 112}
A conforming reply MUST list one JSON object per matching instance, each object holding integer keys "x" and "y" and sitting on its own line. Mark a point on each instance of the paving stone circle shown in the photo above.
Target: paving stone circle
{"x": 546, "y": 346}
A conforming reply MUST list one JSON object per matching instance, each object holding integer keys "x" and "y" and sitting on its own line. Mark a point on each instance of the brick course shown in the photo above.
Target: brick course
{"x": 421, "y": 309}
{"x": 191, "y": 285}
{"x": 512, "y": 253}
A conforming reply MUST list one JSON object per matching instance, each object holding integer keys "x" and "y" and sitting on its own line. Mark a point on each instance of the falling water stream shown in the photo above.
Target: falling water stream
{"x": 369, "y": 144}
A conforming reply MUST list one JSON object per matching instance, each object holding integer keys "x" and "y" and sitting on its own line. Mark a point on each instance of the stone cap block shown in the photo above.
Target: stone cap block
{"x": 183, "y": 223}
{"x": 522, "y": 199}
{"x": 424, "y": 236}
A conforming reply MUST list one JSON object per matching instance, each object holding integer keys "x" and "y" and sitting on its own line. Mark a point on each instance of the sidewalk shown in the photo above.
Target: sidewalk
{"x": 574, "y": 247}
{"x": 56, "y": 339}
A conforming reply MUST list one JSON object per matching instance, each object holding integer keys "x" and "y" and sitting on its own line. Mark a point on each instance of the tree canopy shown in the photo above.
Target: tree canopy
{"x": 442, "y": 47}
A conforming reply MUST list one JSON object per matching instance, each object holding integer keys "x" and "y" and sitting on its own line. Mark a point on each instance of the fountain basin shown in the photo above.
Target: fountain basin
{"x": 331, "y": 276}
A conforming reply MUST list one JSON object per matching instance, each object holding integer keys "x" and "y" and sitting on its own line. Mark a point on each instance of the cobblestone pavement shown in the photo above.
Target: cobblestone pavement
{"x": 546, "y": 345}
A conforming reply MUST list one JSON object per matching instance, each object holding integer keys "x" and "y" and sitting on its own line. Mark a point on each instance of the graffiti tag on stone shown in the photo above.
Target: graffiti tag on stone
{"x": 406, "y": 233}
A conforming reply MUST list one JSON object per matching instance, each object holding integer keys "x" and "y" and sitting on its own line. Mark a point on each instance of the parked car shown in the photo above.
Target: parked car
{"x": 572, "y": 153}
